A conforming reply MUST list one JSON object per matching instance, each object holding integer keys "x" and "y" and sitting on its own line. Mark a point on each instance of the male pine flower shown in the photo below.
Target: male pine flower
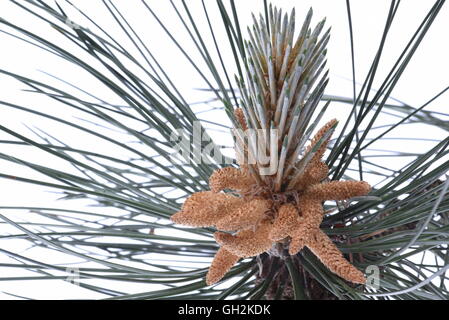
{"x": 284, "y": 207}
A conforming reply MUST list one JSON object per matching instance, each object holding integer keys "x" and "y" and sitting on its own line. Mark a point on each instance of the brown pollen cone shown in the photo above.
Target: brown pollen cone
{"x": 247, "y": 243}
{"x": 338, "y": 190}
{"x": 230, "y": 178}
{"x": 240, "y": 117}
{"x": 285, "y": 222}
{"x": 328, "y": 253}
{"x": 222, "y": 263}
{"x": 318, "y": 136}
{"x": 245, "y": 216}
{"x": 314, "y": 173}
{"x": 195, "y": 213}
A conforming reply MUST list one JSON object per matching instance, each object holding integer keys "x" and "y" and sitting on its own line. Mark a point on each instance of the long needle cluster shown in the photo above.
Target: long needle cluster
{"x": 277, "y": 96}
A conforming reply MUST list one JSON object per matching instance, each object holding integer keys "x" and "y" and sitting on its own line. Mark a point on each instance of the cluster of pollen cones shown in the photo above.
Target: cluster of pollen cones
{"x": 280, "y": 209}
{"x": 252, "y": 219}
